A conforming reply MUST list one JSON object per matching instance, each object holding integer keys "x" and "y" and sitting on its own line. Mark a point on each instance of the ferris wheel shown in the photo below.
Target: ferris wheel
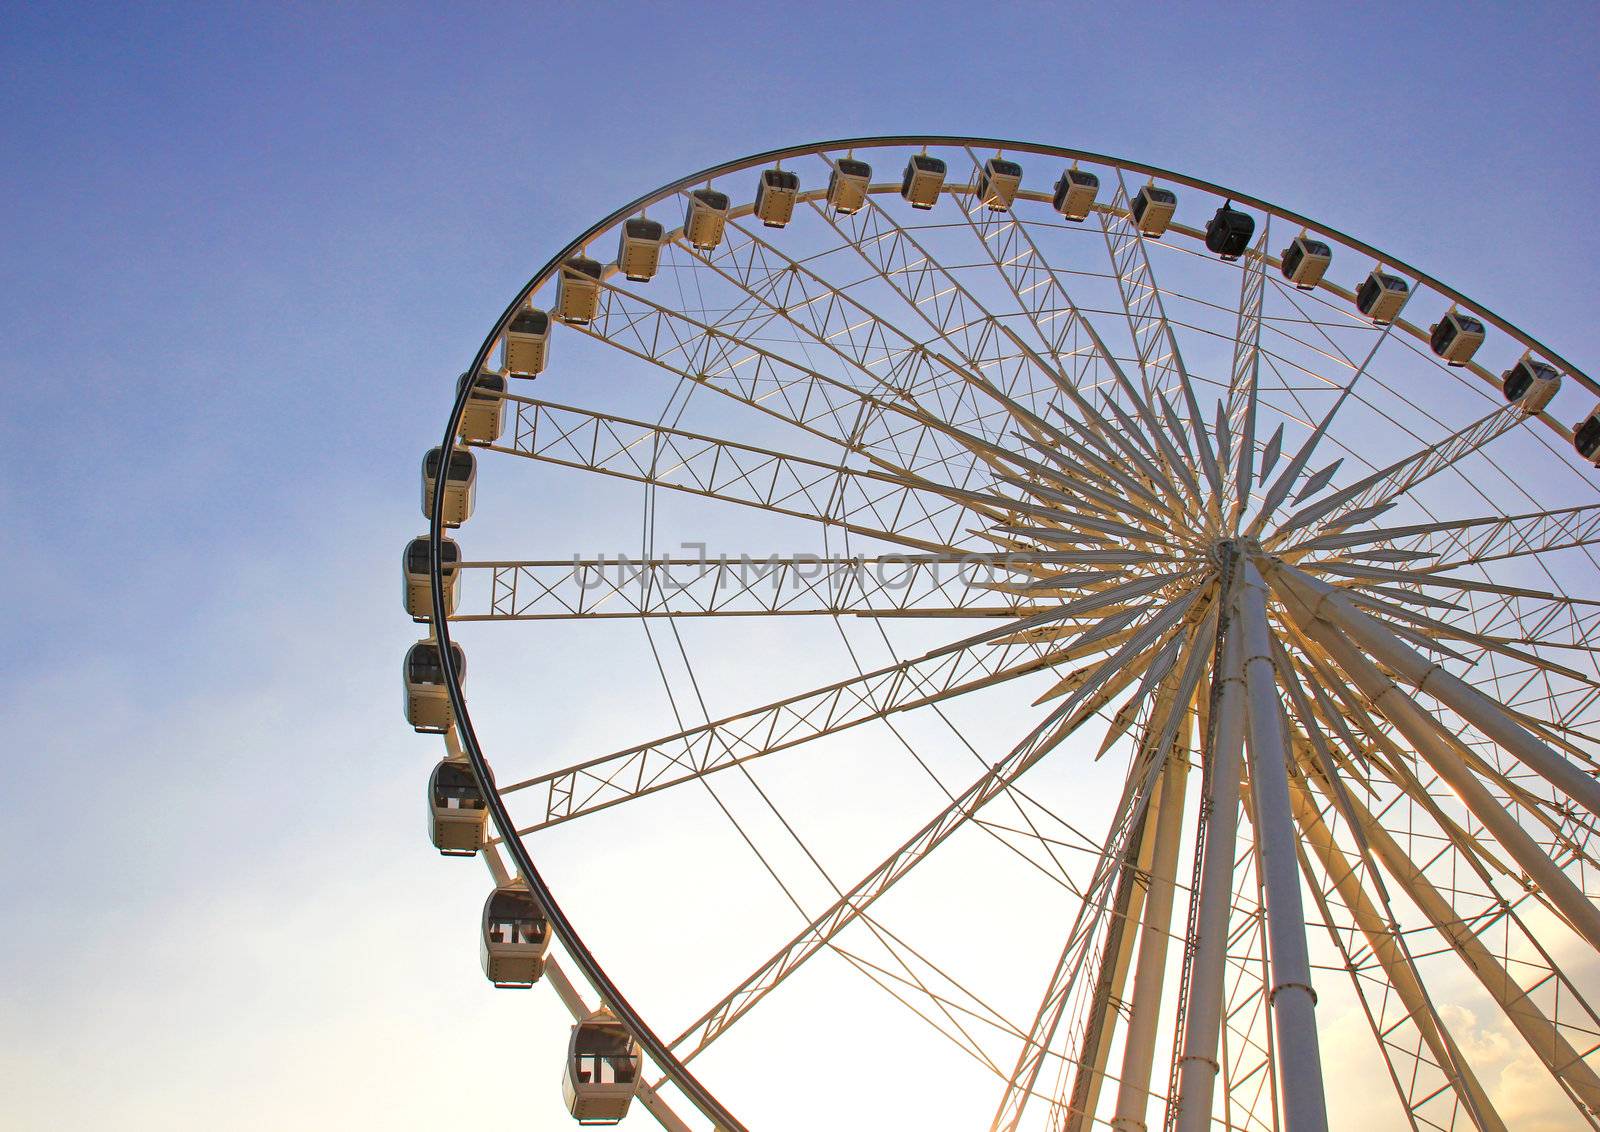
{"x": 977, "y": 634}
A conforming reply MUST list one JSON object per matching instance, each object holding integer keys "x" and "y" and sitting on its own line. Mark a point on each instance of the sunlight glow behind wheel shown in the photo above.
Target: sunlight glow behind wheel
{"x": 1019, "y": 639}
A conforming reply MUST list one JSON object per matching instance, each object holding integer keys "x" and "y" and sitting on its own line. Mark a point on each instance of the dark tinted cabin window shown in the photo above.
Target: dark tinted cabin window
{"x": 423, "y": 665}
{"x": 454, "y": 788}
{"x": 605, "y": 1056}
{"x": 853, "y": 168}
{"x": 530, "y": 322}
{"x": 417, "y": 555}
{"x": 1587, "y": 437}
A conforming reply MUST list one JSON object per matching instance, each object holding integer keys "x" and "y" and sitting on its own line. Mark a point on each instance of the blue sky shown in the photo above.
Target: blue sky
{"x": 247, "y": 248}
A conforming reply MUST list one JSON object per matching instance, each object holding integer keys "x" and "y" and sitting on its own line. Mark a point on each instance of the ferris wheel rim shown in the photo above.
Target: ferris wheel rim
{"x": 659, "y": 1051}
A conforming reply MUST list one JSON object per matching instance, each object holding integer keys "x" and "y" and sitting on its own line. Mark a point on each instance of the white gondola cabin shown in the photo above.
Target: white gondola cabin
{"x": 456, "y": 810}
{"x": 427, "y": 702}
{"x": 1075, "y": 193}
{"x": 705, "y": 217}
{"x": 485, "y": 414}
{"x": 1305, "y": 262}
{"x": 527, "y": 343}
{"x": 414, "y": 567}
{"x": 923, "y": 179}
{"x": 1586, "y": 437}
{"x": 515, "y": 937}
{"x": 848, "y": 184}
{"x": 1228, "y": 232}
{"x": 1152, "y": 210}
{"x": 1456, "y": 337}
{"x": 578, "y": 291}
{"x": 639, "y": 249}
{"x": 1381, "y": 297}
{"x": 1530, "y": 384}
{"x": 998, "y": 183}
{"x": 776, "y": 193}
{"x": 460, "y": 485}
{"x": 602, "y": 1070}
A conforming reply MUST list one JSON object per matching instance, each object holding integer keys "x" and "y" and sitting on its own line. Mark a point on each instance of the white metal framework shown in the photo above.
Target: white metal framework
{"x": 1117, "y": 685}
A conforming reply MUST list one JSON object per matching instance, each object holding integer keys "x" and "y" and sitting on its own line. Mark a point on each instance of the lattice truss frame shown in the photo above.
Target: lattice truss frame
{"x": 1329, "y": 602}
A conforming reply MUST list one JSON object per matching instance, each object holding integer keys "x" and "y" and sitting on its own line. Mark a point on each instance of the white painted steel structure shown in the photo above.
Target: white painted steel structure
{"x": 1272, "y": 635}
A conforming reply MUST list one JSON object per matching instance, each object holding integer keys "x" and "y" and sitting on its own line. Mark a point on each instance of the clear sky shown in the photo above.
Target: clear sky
{"x": 246, "y": 249}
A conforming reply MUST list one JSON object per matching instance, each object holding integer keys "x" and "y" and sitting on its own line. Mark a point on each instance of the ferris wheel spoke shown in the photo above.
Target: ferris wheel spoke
{"x": 1057, "y": 726}
{"x": 1425, "y": 1065}
{"x": 974, "y": 334}
{"x": 1036, "y": 287}
{"x": 1527, "y": 1001}
{"x": 1244, "y": 379}
{"x": 1435, "y": 747}
{"x": 894, "y": 364}
{"x": 1325, "y": 607}
{"x": 1456, "y": 543}
{"x": 871, "y": 502}
{"x": 733, "y": 740}
{"x": 1124, "y": 857}
{"x": 1568, "y": 833}
{"x": 1388, "y": 485}
{"x": 820, "y": 405}
{"x": 1155, "y": 342}
{"x": 1278, "y": 492}
{"x": 1156, "y": 779}
{"x": 776, "y": 585}
{"x": 1386, "y": 965}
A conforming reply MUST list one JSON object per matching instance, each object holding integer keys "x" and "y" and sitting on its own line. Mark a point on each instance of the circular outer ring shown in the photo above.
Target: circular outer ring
{"x": 659, "y": 1051}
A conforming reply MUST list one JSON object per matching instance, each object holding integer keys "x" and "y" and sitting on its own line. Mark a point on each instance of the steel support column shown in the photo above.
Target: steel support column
{"x": 1299, "y": 1061}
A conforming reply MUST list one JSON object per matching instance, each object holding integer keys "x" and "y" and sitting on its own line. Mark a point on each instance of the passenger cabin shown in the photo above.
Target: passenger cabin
{"x": 1381, "y": 297}
{"x": 998, "y": 183}
{"x": 704, "y": 218}
{"x": 1228, "y": 232}
{"x": 414, "y": 567}
{"x": 456, "y": 810}
{"x": 578, "y": 291}
{"x": 1075, "y": 193}
{"x": 1456, "y": 337}
{"x": 1530, "y": 384}
{"x": 427, "y": 701}
{"x": 1586, "y": 437}
{"x": 1305, "y": 262}
{"x": 775, "y": 196}
{"x": 602, "y": 1070}
{"x": 639, "y": 249}
{"x": 484, "y": 417}
{"x": 527, "y": 343}
{"x": 848, "y": 185}
{"x": 516, "y": 935}
{"x": 1152, "y": 210}
{"x": 460, "y": 485}
{"x": 924, "y": 177}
